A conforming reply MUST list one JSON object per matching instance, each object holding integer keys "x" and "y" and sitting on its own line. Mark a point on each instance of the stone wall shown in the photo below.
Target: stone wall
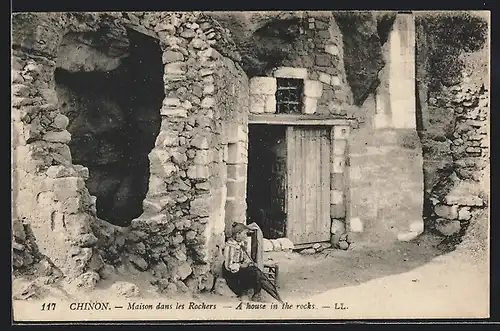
{"x": 385, "y": 154}
{"x": 319, "y": 49}
{"x": 316, "y": 57}
{"x": 180, "y": 233}
{"x": 454, "y": 107}
{"x": 232, "y": 99}
{"x": 49, "y": 191}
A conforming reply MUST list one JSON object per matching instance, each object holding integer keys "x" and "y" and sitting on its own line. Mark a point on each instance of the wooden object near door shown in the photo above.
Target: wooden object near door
{"x": 308, "y": 184}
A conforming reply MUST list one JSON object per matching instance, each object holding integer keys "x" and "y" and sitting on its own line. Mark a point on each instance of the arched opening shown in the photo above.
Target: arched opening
{"x": 110, "y": 86}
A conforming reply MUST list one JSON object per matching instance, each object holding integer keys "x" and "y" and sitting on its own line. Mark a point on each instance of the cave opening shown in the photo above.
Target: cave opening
{"x": 112, "y": 97}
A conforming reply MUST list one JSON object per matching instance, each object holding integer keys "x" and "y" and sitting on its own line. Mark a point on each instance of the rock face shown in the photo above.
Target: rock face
{"x": 454, "y": 108}
{"x": 362, "y": 33}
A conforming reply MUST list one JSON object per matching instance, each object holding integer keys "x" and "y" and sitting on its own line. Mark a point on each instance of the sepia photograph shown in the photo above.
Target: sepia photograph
{"x": 250, "y": 165}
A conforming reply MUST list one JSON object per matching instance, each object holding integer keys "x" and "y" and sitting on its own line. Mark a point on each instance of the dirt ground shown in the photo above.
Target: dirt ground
{"x": 416, "y": 273}
{"x": 307, "y": 275}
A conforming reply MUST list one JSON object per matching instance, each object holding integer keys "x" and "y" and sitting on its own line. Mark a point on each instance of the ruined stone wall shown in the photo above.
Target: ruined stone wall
{"x": 453, "y": 96}
{"x": 180, "y": 232}
{"x": 49, "y": 195}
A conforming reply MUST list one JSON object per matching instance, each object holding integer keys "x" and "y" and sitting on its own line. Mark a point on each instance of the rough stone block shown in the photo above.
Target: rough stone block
{"x": 156, "y": 186}
{"x": 263, "y": 85}
{"x": 337, "y": 211}
{"x": 270, "y": 104}
{"x": 335, "y": 81}
{"x": 82, "y": 171}
{"x": 209, "y": 89}
{"x": 66, "y": 186}
{"x": 313, "y": 89}
{"x": 236, "y": 132}
{"x": 159, "y": 163}
{"x": 175, "y": 68}
{"x": 72, "y": 205}
{"x": 257, "y": 104}
{"x": 337, "y": 227}
{"x": 310, "y": 105}
{"x": 286, "y": 244}
{"x": 337, "y": 181}
{"x": 324, "y": 78}
{"x": 198, "y": 172}
{"x": 336, "y": 197}
{"x": 236, "y": 171}
{"x": 322, "y": 60}
{"x": 339, "y": 147}
{"x": 167, "y": 138}
{"x": 236, "y": 189}
{"x": 172, "y": 56}
{"x": 60, "y": 122}
{"x": 173, "y": 112}
{"x": 344, "y": 245}
{"x": 356, "y": 224}
{"x": 237, "y": 154}
{"x": 200, "y": 142}
{"x": 200, "y": 206}
{"x": 338, "y": 164}
{"x": 464, "y": 214}
{"x": 267, "y": 245}
{"x": 234, "y": 208}
{"x": 289, "y": 72}
{"x": 60, "y": 171}
{"x": 445, "y": 211}
{"x": 447, "y": 227}
{"x": 202, "y": 157}
{"x": 332, "y": 49}
{"x": 208, "y": 102}
{"x": 341, "y": 131}
{"x": 197, "y": 43}
{"x": 152, "y": 206}
{"x": 138, "y": 262}
{"x": 57, "y": 137}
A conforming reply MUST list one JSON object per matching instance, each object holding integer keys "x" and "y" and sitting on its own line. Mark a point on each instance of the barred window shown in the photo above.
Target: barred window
{"x": 289, "y": 95}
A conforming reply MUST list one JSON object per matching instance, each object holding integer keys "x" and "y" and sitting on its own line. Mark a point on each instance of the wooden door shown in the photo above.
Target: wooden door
{"x": 308, "y": 184}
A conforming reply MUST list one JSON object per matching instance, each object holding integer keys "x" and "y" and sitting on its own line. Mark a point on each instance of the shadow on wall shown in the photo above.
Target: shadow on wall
{"x": 114, "y": 120}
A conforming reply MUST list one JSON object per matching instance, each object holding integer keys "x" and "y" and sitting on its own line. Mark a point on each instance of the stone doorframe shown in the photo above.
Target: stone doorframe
{"x": 340, "y": 130}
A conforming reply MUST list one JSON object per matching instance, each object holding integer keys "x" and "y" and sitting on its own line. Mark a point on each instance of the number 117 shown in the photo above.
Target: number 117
{"x": 49, "y": 306}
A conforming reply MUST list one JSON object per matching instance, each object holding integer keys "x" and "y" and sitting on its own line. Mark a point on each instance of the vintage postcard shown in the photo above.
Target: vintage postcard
{"x": 250, "y": 165}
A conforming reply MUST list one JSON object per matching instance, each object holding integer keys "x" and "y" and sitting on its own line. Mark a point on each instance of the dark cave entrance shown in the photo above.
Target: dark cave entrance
{"x": 112, "y": 99}
{"x": 267, "y": 179}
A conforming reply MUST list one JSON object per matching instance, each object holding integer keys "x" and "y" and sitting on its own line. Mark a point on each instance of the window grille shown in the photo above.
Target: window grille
{"x": 289, "y": 93}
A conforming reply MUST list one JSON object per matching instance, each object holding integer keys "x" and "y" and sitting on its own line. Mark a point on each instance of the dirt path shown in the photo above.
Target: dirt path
{"x": 412, "y": 279}
{"x": 306, "y": 275}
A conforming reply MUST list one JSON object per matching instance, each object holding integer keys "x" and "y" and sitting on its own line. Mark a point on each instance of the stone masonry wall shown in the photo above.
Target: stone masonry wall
{"x": 319, "y": 49}
{"x": 49, "y": 192}
{"x": 454, "y": 120}
{"x": 232, "y": 97}
{"x": 180, "y": 232}
{"x": 318, "y": 60}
